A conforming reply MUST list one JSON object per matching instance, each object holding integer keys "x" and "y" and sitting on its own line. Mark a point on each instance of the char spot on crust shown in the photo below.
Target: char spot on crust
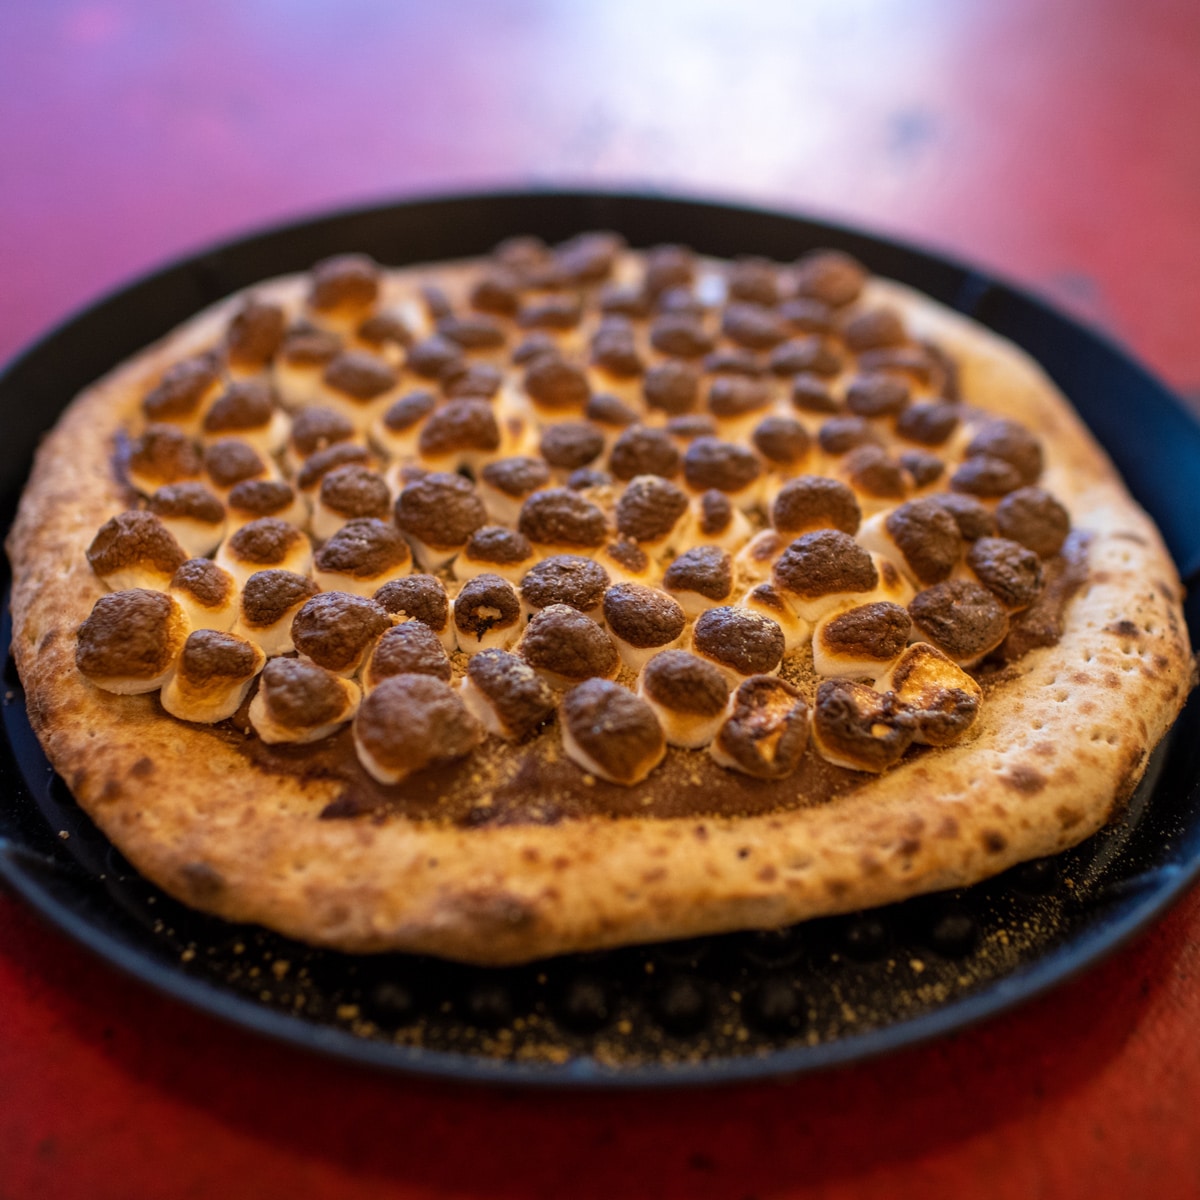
{"x": 266, "y": 541}
{"x": 356, "y": 491}
{"x": 565, "y": 579}
{"x": 815, "y": 501}
{"x": 245, "y": 404}
{"x": 192, "y": 501}
{"x": 555, "y": 383}
{"x": 561, "y": 517}
{"x": 208, "y": 655}
{"x": 766, "y": 733}
{"x": 928, "y": 536}
{"x": 420, "y": 597}
{"x": 1033, "y": 517}
{"x": 460, "y": 425}
{"x": 642, "y": 616}
{"x": 499, "y": 545}
{"x": 650, "y": 508}
{"x": 165, "y": 453}
{"x": 726, "y": 466}
{"x": 321, "y": 462}
{"x": 127, "y": 633}
{"x": 409, "y": 411}
{"x": 522, "y": 700}
{"x": 261, "y": 497}
{"x": 254, "y": 333}
{"x": 672, "y": 387}
{"x": 684, "y": 683}
{"x": 364, "y": 548}
{"x": 747, "y": 642}
{"x": 181, "y": 389}
{"x": 706, "y": 570}
{"x": 441, "y": 509}
{"x": 271, "y": 594}
{"x": 823, "y": 562}
{"x": 960, "y": 617}
{"x": 570, "y": 445}
{"x": 202, "y": 578}
{"x": 334, "y": 629}
{"x": 409, "y": 649}
{"x": 614, "y": 728}
{"x": 484, "y": 603}
{"x": 132, "y": 539}
{"x": 231, "y": 460}
{"x": 517, "y": 477}
{"x": 344, "y": 281}
{"x": 879, "y": 630}
{"x": 641, "y": 450}
{"x": 1012, "y": 572}
{"x": 1010, "y": 441}
{"x": 564, "y": 642}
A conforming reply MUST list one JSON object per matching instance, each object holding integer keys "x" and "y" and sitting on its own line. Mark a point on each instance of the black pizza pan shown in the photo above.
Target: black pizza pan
{"x": 709, "y": 1010}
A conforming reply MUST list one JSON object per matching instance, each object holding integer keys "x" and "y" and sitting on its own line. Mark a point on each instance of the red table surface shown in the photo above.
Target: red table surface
{"x": 1057, "y": 144}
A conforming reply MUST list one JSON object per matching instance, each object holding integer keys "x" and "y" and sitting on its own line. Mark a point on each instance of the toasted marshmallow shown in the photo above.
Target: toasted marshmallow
{"x": 766, "y": 600}
{"x": 420, "y": 598}
{"x": 397, "y": 432}
{"x": 437, "y": 515}
{"x": 811, "y": 502}
{"x": 653, "y": 512}
{"x": 495, "y": 550}
{"x": 878, "y": 480}
{"x": 921, "y": 536}
{"x": 135, "y": 549}
{"x": 716, "y": 521}
{"x": 214, "y": 673}
{"x": 565, "y": 579}
{"x": 565, "y": 647}
{"x": 487, "y": 614}
{"x": 269, "y": 603}
{"x": 823, "y": 571}
{"x": 462, "y": 433}
{"x": 321, "y": 462}
{"x": 302, "y": 359}
{"x": 611, "y": 733}
{"x": 411, "y": 648}
{"x": 700, "y": 578}
{"x": 192, "y": 514}
{"x": 207, "y": 593}
{"x": 183, "y": 394}
{"x": 688, "y": 696}
{"x": 314, "y": 428}
{"x": 555, "y": 387}
{"x": 643, "y": 450}
{"x": 162, "y": 455}
{"x": 1010, "y": 571}
{"x": 560, "y": 521}
{"x": 265, "y": 544}
{"x": 961, "y": 618}
{"x": 860, "y": 642}
{"x": 131, "y": 640}
{"x": 247, "y": 409}
{"x": 344, "y": 289}
{"x": 643, "y": 621}
{"x": 943, "y": 699}
{"x": 726, "y": 466}
{"x": 337, "y": 630}
{"x": 506, "y": 483}
{"x": 739, "y": 642}
{"x": 361, "y": 557}
{"x": 1030, "y": 515}
{"x": 229, "y": 461}
{"x": 783, "y": 442}
{"x": 857, "y": 727}
{"x": 410, "y": 722}
{"x": 626, "y": 562}
{"x": 766, "y": 731}
{"x": 350, "y": 493}
{"x": 756, "y": 559}
{"x": 299, "y": 702}
{"x": 569, "y": 446}
{"x": 255, "y": 498}
{"x": 253, "y": 336}
{"x": 359, "y": 386}
{"x": 893, "y": 584}
{"x": 506, "y": 695}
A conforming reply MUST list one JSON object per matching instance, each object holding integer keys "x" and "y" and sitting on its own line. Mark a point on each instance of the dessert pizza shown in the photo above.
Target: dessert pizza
{"x": 582, "y": 596}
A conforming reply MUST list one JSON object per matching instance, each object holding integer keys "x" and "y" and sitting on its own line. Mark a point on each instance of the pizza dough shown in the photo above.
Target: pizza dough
{"x": 767, "y": 591}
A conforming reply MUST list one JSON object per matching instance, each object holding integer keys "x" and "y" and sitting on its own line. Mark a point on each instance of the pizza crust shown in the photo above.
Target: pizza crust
{"x": 1060, "y": 745}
